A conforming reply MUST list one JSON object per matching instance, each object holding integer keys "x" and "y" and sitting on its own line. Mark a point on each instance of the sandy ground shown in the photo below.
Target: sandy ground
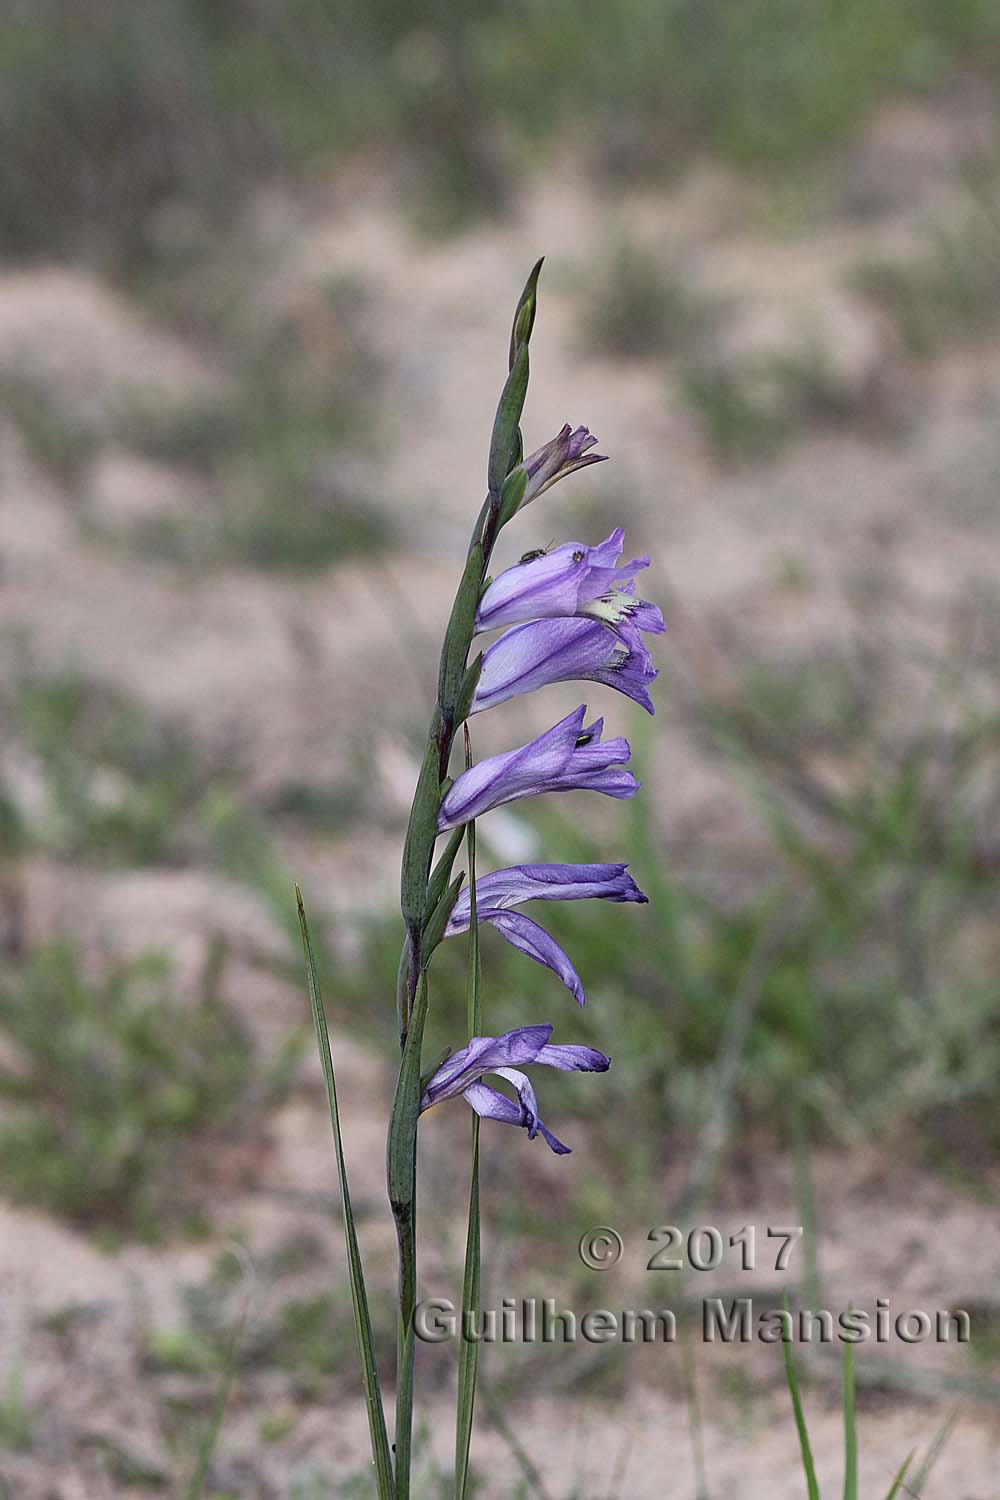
{"x": 283, "y": 669}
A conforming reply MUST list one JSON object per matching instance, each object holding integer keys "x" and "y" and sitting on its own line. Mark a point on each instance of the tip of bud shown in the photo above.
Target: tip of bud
{"x": 524, "y": 313}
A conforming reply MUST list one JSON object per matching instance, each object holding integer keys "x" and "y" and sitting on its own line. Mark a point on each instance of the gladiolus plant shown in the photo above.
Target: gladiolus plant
{"x": 568, "y": 613}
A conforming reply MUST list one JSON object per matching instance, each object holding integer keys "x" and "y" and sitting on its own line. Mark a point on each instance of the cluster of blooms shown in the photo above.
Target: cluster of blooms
{"x": 572, "y": 615}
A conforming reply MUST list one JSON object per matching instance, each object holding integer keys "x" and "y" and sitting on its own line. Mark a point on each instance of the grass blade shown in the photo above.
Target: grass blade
{"x": 897, "y": 1483}
{"x": 800, "y": 1422}
{"x": 206, "y": 1447}
{"x": 812, "y": 1291}
{"x": 359, "y": 1297}
{"x": 937, "y": 1447}
{"x": 694, "y": 1420}
{"x": 850, "y": 1428}
{"x": 468, "y": 1349}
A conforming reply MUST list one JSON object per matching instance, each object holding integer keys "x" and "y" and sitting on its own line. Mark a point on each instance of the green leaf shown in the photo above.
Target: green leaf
{"x": 402, "y": 1145}
{"x": 505, "y": 425}
{"x": 524, "y": 313}
{"x": 468, "y": 1356}
{"x": 403, "y": 986}
{"x": 469, "y": 684}
{"x": 401, "y": 1173}
{"x": 800, "y": 1421}
{"x": 441, "y": 874}
{"x": 431, "y": 1069}
{"x": 359, "y": 1297}
{"x": 897, "y": 1483}
{"x": 206, "y": 1447}
{"x": 459, "y": 634}
{"x": 937, "y": 1445}
{"x": 512, "y": 494}
{"x": 468, "y": 1349}
{"x": 438, "y": 920}
{"x": 421, "y": 832}
{"x": 850, "y": 1428}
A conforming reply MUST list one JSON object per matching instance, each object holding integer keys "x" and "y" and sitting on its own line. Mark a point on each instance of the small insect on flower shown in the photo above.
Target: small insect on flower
{"x": 537, "y": 552}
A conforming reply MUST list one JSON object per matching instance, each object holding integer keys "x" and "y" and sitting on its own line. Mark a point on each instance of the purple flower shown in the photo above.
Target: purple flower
{"x": 566, "y": 758}
{"x": 566, "y": 452}
{"x": 543, "y": 651}
{"x": 463, "y": 1071}
{"x": 496, "y": 893}
{"x": 570, "y": 580}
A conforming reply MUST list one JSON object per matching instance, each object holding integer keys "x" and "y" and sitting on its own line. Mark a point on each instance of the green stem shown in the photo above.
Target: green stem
{"x": 402, "y": 1181}
{"x": 506, "y": 449}
{"x": 468, "y": 1354}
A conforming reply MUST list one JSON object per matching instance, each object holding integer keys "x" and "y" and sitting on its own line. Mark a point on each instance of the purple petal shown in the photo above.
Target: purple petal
{"x": 528, "y": 938}
{"x": 572, "y": 1059}
{"x": 647, "y": 617}
{"x": 553, "y": 1140}
{"x": 565, "y": 758}
{"x": 484, "y": 1054}
{"x": 563, "y": 454}
{"x": 516, "y": 773}
{"x": 559, "y": 650}
{"x": 571, "y": 579}
{"x": 527, "y": 1097}
{"x": 517, "y": 883}
{"x": 490, "y": 1104}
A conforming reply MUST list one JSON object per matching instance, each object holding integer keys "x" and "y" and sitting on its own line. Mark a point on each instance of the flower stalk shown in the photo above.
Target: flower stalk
{"x": 568, "y": 613}
{"x": 468, "y": 1355}
{"x": 454, "y": 695}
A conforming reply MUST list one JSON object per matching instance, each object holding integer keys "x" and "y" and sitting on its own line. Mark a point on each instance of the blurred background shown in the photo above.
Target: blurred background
{"x": 259, "y": 262}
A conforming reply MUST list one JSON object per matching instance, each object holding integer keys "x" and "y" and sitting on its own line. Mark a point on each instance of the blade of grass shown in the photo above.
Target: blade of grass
{"x": 210, "y": 1437}
{"x": 524, "y": 1461}
{"x": 468, "y": 1347}
{"x": 468, "y": 1355}
{"x": 694, "y": 1419}
{"x": 799, "y": 1130}
{"x": 897, "y": 1483}
{"x": 812, "y": 1487}
{"x": 359, "y": 1297}
{"x": 850, "y": 1428}
{"x": 934, "y": 1452}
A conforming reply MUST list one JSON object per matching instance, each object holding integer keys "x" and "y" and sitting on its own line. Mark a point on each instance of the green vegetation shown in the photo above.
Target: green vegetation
{"x": 16, "y": 1416}
{"x": 185, "y": 109}
{"x": 62, "y": 442}
{"x": 749, "y": 407}
{"x": 278, "y": 450}
{"x": 109, "y": 1088}
{"x": 951, "y": 291}
{"x": 638, "y": 304}
{"x": 120, "y": 784}
{"x": 275, "y": 453}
